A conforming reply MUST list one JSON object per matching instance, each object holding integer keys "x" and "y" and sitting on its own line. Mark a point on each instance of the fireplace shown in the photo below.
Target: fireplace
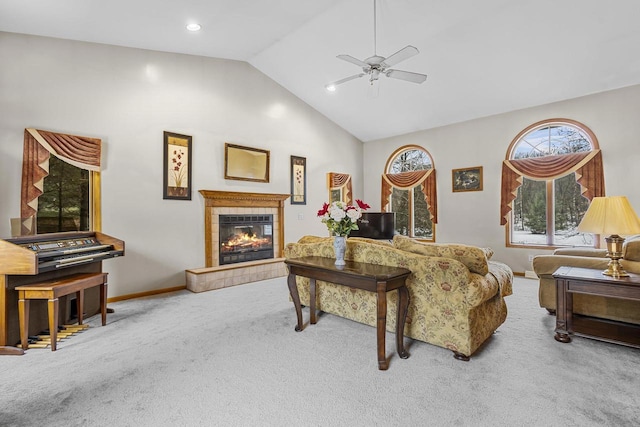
{"x": 245, "y": 238}
{"x": 268, "y": 210}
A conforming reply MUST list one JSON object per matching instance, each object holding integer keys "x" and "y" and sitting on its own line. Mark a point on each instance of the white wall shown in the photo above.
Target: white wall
{"x": 474, "y": 217}
{"x": 128, "y": 97}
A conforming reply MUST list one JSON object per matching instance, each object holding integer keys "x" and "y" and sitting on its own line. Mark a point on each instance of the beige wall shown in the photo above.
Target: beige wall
{"x": 128, "y": 97}
{"x": 473, "y": 217}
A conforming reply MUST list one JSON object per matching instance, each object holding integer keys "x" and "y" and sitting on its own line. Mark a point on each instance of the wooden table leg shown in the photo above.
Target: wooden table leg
{"x": 568, "y": 310}
{"x": 53, "y": 322}
{"x": 103, "y": 303}
{"x": 293, "y": 291}
{"x": 23, "y": 314}
{"x": 312, "y": 301}
{"x": 381, "y": 324}
{"x": 80, "y": 305}
{"x": 401, "y": 318}
{"x": 561, "y": 331}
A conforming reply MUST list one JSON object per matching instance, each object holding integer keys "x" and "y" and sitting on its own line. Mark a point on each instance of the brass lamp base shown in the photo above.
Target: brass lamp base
{"x": 614, "y": 251}
{"x": 615, "y": 269}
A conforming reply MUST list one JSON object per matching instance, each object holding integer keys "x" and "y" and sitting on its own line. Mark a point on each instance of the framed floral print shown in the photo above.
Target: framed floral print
{"x": 298, "y": 180}
{"x": 177, "y": 166}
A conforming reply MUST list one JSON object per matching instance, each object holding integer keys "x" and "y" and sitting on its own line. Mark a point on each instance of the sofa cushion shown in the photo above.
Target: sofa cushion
{"x": 632, "y": 248}
{"x": 473, "y": 257}
{"x": 488, "y": 252}
{"x": 588, "y": 252}
{"x": 313, "y": 239}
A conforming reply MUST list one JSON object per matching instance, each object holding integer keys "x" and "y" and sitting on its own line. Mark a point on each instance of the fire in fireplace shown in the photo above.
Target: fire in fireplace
{"x": 245, "y": 238}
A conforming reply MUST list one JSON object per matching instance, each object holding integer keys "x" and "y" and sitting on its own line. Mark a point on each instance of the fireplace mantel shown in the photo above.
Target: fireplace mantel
{"x": 236, "y": 198}
{"x": 227, "y": 202}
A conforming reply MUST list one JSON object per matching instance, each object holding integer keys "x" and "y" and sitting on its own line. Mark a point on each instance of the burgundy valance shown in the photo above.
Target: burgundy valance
{"x": 587, "y": 166}
{"x": 408, "y": 180}
{"x": 80, "y": 151}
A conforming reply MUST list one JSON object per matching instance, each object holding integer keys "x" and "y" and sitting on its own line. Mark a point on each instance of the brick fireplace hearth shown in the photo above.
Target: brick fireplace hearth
{"x": 215, "y": 276}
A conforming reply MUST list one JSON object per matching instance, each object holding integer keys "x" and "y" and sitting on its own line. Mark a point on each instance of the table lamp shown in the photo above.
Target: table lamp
{"x": 611, "y": 215}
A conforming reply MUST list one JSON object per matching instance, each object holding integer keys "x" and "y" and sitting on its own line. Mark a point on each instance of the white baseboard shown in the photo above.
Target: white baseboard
{"x": 530, "y": 274}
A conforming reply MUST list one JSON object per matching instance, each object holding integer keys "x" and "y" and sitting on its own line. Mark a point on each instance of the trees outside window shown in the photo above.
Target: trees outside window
{"x": 409, "y": 203}
{"x": 64, "y": 203}
{"x": 547, "y": 211}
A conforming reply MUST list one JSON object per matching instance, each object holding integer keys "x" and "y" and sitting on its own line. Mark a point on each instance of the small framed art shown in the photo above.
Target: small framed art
{"x": 467, "y": 179}
{"x": 177, "y": 166}
{"x": 246, "y": 163}
{"x": 298, "y": 180}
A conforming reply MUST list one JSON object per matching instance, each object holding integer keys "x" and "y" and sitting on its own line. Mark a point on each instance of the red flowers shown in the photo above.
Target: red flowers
{"x": 178, "y": 172}
{"x": 324, "y": 210}
{"x": 341, "y": 218}
{"x": 362, "y": 205}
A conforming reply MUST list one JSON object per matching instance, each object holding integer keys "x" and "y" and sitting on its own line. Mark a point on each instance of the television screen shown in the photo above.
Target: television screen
{"x": 376, "y": 225}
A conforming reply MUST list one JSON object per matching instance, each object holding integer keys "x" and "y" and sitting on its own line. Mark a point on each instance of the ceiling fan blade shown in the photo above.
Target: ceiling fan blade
{"x": 332, "y": 85}
{"x": 406, "y": 75}
{"x": 353, "y": 60}
{"x": 404, "y": 53}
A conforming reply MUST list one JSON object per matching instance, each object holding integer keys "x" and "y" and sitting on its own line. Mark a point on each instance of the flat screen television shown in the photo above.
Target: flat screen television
{"x": 376, "y": 225}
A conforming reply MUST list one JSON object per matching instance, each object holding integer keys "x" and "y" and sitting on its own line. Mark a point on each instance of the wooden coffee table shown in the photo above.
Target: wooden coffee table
{"x": 573, "y": 280}
{"x": 369, "y": 277}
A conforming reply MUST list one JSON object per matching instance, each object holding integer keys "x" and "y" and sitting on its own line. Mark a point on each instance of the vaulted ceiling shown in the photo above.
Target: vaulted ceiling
{"x": 481, "y": 57}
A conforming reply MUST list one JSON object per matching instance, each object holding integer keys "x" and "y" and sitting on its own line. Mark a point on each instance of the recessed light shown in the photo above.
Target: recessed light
{"x": 331, "y": 88}
{"x": 193, "y": 27}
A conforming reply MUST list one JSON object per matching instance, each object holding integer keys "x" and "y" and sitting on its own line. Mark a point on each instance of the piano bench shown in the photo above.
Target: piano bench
{"x": 53, "y": 289}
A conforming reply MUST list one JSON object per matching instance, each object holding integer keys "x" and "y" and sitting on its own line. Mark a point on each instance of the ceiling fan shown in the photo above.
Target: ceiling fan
{"x": 376, "y": 65}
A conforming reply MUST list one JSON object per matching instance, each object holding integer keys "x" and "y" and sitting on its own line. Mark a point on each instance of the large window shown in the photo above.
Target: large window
{"x": 60, "y": 183}
{"x": 407, "y": 185}
{"x": 557, "y": 164}
{"x": 64, "y": 203}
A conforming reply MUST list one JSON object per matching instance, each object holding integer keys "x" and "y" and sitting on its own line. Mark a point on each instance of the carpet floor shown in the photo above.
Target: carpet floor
{"x": 231, "y": 357}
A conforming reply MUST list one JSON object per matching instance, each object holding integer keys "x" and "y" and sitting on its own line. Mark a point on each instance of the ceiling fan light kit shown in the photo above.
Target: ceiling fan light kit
{"x": 376, "y": 65}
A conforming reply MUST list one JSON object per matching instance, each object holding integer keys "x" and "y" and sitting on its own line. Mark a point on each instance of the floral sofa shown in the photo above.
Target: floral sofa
{"x": 456, "y": 293}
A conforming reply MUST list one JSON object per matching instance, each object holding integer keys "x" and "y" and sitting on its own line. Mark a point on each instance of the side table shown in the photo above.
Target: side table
{"x": 574, "y": 280}
{"x": 379, "y": 279}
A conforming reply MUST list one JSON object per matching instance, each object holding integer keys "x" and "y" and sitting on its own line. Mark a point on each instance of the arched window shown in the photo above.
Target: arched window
{"x": 409, "y": 190}
{"x": 552, "y": 170}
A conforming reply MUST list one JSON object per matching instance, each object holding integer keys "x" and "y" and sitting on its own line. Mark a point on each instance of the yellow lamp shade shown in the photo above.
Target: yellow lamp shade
{"x": 610, "y": 215}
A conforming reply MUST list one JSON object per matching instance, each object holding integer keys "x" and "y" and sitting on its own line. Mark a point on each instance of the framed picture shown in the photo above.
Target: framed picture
{"x": 177, "y": 166}
{"x": 467, "y": 179}
{"x": 298, "y": 180}
{"x": 246, "y": 163}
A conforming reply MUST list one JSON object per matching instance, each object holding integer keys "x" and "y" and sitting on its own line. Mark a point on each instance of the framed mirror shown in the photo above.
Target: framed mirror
{"x": 246, "y": 163}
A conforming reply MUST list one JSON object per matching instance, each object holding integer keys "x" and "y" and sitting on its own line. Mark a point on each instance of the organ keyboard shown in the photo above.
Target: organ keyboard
{"x": 32, "y": 259}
